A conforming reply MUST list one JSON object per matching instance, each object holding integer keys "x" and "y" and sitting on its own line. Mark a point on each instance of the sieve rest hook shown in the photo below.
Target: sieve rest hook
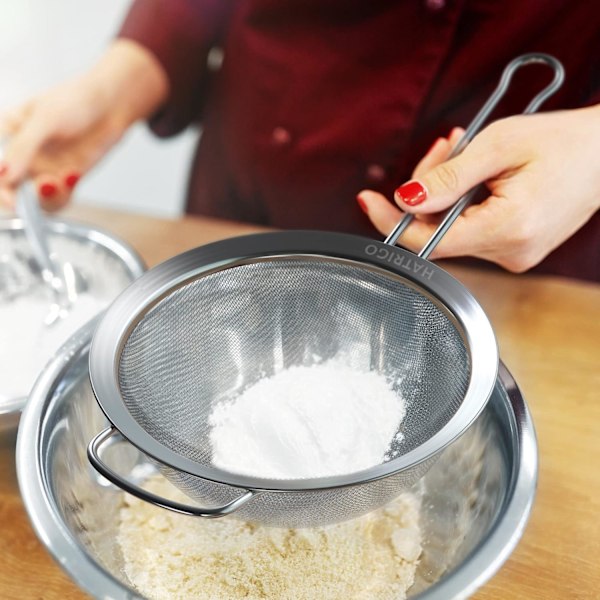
{"x": 94, "y": 456}
{"x": 473, "y": 128}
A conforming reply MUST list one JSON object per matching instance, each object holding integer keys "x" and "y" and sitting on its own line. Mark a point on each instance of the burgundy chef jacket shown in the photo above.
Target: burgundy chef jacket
{"x": 318, "y": 99}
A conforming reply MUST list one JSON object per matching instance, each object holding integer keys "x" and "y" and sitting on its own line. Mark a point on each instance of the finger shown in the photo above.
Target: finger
{"x": 55, "y": 183}
{"x": 491, "y": 231}
{"x": 385, "y": 216}
{"x": 458, "y": 241}
{"x": 52, "y": 192}
{"x": 475, "y": 233}
{"x": 12, "y": 119}
{"x": 482, "y": 231}
{"x": 479, "y": 232}
{"x": 439, "y": 152}
{"x": 70, "y": 159}
{"x": 7, "y": 199}
{"x": 382, "y": 213}
{"x": 70, "y": 178}
{"x": 456, "y": 134}
{"x": 443, "y": 185}
{"x": 23, "y": 147}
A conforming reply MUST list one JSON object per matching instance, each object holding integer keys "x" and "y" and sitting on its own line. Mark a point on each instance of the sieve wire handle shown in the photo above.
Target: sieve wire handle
{"x": 473, "y": 128}
{"x": 94, "y": 456}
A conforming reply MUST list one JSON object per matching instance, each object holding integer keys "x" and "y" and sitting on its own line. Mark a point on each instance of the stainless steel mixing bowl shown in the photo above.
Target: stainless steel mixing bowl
{"x": 121, "y": 256}
{"x": 477, "y": 497}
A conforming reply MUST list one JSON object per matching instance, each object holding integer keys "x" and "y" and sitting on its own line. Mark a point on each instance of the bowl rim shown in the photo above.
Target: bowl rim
{"x": 476, "y": 568}
{"x": 486, "y": 558}
{"x": 11, "y": 407}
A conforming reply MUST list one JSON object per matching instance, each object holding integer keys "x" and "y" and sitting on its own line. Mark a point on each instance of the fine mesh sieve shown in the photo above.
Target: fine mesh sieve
{"x": 222, "y": 332}
{"x": 202, "y": 327}
{"x": 221, "y": 325}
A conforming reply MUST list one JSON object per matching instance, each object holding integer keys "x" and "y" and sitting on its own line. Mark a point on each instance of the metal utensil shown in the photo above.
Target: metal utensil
{"x": 207, "y": 323}
{"x": 63, "y": 279}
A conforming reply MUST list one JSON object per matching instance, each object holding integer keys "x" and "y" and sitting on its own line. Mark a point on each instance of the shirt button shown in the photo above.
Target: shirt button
{"x": 281, "y": 137}
{"x": 214, "y": 60}
{"x": 375, "y": 173}
{"x": 435, "y": 5}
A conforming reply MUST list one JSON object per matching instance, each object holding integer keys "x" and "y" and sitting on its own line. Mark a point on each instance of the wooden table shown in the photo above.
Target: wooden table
{"x": 549, "y": 335}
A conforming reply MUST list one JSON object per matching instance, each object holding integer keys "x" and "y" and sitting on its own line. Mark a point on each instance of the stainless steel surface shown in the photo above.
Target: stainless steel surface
{"x": 105, "y": 438}
{"x": 473, "y": 128}
{"x": 51, "y": 271}
{"x": 12, "y": 233}
{"x": 201, "y": 327}
{"x": 477, "y": 497}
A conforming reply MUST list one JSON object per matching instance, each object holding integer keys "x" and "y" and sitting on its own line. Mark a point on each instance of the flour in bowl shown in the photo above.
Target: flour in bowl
{"x": 26, "y": 343}
{"x": 168, "y": 556}
{"x": 307, "y": 421}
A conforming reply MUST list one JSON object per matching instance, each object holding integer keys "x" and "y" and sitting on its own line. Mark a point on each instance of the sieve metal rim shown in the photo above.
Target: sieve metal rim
{"x": 84, "y": 233}
{"x": 429, "y": 279}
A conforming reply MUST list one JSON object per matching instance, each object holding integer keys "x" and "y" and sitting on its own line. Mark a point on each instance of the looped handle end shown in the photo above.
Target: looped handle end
{"x": 94, "y": 456}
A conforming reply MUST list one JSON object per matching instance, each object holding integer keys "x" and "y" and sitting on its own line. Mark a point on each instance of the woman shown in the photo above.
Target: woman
{"x": 320, "y": 109}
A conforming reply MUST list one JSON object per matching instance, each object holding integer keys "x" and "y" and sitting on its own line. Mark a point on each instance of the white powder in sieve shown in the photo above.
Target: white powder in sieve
{"x": 317, "y": 421}
{"x": 168, "y": 556}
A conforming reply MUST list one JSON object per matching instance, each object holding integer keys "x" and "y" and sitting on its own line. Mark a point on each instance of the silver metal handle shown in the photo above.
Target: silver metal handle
{"x": 93, "y": 452}
{"x": 471, "y": 131}
{"x": 33, "y": 223}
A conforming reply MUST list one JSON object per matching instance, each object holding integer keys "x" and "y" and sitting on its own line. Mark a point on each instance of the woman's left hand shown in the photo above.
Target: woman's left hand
{"x": 543, "y": 176}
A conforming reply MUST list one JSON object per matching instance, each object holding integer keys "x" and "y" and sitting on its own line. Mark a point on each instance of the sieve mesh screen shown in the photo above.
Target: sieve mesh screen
{"x": 221, "y": 332}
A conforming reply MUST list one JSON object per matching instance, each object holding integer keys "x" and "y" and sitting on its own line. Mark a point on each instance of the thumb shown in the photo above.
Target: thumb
{"x": 442, "y": 186}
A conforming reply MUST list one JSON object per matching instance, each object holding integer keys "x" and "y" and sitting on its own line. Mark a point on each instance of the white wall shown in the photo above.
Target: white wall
{"x": 45, "y": 41}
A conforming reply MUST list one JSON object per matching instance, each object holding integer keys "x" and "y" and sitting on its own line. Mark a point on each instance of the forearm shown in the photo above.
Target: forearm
{"x": 130, "y": 78}
{"x": 179, "y": 33}
{"x": 593, "y": 112}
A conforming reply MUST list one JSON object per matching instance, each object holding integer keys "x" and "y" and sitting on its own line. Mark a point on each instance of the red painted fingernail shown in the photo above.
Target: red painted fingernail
{"x": 71, "y": 179}
{"x": 434, "y": 144}
{"x": 362, "y": 204}
{"x": 411, "y": 193}
{"x": 3, "y": 168}
{"x": 47, "y": 190}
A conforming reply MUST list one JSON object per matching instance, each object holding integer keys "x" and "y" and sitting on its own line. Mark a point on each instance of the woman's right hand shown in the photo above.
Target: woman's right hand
{"x": 59, "y": 135}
